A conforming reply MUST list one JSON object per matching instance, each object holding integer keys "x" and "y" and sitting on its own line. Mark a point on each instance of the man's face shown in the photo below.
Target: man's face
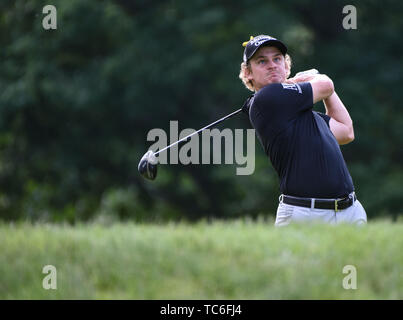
{"x": 267, "y": 66}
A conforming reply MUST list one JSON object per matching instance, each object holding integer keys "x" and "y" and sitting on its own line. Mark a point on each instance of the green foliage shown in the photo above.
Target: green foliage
{"x": 76, "y": 103}
{"x": 240, "y": 259}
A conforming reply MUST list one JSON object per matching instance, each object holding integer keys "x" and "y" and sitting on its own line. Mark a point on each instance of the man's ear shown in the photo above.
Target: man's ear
{"x": 287, "y": 63}
{"x": 248, "y": 73}
{"x": 287, "y": 69}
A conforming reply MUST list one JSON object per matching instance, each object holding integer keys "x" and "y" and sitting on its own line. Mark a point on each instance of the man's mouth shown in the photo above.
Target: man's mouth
{"x": 271, "y": 75}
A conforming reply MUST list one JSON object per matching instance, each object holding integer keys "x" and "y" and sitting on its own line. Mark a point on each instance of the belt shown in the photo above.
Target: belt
{"x": 331, "y": 204}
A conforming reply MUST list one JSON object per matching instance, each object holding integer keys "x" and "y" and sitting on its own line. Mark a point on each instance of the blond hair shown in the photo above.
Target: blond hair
{"x": 246, "y": 66}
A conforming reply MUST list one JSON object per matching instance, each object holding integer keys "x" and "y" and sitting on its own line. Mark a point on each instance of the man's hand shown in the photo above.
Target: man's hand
{"x": 307, "y": 72}
{"x": 303, "y": 76}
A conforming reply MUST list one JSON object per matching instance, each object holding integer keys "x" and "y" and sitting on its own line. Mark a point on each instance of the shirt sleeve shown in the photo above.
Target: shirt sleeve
{"x": 280, "y": 103}
{"x": 285, "y": 98}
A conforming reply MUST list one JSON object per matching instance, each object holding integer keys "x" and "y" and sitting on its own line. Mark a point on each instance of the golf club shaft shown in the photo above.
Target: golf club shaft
{"x": 200, "y": 130}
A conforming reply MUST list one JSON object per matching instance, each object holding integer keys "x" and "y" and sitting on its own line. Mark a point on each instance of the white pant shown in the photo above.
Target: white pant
{"x": 287, "y": 213}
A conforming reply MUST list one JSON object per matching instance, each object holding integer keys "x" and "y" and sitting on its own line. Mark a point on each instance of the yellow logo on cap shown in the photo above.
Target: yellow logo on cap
{"x": 244, "y": 44}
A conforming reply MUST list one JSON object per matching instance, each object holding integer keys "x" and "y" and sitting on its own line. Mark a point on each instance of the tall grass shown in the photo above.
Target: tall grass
{"x": 220, "y": 260}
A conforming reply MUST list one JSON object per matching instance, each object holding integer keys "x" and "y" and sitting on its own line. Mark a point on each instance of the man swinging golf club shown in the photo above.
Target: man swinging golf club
{"x": 303, "y": 145}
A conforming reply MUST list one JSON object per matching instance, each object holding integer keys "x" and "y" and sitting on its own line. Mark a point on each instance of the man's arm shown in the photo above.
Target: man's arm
{"x": 322, "y": 87}
{"x": 340, "y": 123}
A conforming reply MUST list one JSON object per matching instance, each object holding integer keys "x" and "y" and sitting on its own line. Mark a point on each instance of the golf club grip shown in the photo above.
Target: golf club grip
{"x": 198, "y": 131}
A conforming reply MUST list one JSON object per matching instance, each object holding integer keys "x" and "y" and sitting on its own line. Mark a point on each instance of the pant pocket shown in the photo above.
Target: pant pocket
{"x": 284, "y": 214}
{"x": 360, "y": 216}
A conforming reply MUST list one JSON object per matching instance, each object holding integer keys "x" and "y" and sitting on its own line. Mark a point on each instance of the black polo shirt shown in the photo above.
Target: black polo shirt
{"x": 298, "y": 141}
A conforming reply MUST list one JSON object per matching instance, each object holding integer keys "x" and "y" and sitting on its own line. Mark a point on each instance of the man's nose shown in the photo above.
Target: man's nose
{"x": 270, "y": 64}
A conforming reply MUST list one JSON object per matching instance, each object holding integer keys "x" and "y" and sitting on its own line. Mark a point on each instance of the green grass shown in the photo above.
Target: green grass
{"x": 222, "y": 260}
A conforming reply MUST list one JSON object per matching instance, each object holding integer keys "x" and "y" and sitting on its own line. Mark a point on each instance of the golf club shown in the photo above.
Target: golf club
{"x": 148, "y": 163}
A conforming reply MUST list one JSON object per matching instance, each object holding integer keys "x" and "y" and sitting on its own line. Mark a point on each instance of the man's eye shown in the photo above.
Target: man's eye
{"x": 260, "y": 61}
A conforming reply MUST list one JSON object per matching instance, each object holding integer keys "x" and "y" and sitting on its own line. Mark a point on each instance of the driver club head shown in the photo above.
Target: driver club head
{"x": 148, "y": 166}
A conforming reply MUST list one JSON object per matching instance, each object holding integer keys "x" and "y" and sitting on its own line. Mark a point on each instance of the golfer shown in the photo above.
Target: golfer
{"x": 302, "y": 144}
